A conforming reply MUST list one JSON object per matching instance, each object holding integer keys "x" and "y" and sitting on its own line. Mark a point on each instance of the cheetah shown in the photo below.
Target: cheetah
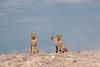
{"x": 33, "y": 49}
{"x": 57, "y": 39}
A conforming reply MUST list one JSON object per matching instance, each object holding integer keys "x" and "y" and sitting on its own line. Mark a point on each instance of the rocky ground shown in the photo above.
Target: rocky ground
{"x": 70, "y": 59}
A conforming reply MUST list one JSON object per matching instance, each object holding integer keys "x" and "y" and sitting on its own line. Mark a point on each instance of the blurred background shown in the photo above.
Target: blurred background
{"x": 77, "y": 20}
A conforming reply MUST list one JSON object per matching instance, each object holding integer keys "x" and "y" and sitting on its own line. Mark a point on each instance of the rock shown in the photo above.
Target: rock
{"x": 52, "y": 56}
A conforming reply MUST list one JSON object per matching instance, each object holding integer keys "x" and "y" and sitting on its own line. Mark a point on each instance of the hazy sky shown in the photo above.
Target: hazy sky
{"x": 77, "y": 20}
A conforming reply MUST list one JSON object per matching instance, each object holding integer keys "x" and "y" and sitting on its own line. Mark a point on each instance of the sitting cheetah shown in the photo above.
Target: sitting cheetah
{"x": 57, "y": 39}
{"x": 33, "y": 48}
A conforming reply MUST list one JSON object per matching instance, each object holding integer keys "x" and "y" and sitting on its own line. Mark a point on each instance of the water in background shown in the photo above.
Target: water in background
{"x": 80, "y": 27}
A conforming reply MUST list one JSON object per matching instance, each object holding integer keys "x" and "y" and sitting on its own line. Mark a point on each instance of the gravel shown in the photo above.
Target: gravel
{"x": 70, "y": 59}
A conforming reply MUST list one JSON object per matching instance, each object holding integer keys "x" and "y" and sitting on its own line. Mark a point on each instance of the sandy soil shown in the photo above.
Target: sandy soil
{"x": 70, "y": 59}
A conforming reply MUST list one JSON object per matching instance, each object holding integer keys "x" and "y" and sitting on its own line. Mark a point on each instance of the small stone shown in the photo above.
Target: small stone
{"x": 52, "y": 56}
{"x": 40, "y": 64}
{"x": 74, "y": 61}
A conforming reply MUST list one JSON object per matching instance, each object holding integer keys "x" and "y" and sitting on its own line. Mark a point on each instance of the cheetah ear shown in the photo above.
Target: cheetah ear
{"x": 33, "y": 33}
{"x": 52, "y": 38}
{"x": 59, "y": 36}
